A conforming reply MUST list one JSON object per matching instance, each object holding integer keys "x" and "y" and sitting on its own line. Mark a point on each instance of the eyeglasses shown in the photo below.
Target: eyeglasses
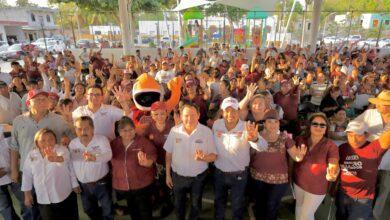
{"x": 321, "y": 125}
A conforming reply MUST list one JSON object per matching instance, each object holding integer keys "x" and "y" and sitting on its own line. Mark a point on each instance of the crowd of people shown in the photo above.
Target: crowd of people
{"x": 251, "y": 125}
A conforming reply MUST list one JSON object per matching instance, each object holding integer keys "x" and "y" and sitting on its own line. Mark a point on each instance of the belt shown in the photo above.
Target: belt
{"x": 234, "y": 172}
{"x": 102, "y": 180}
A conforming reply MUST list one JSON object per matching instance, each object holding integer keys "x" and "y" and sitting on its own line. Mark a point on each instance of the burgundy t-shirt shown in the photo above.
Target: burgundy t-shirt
{"x": 310, "y": 173}
{"x": 359, "y": 168}
{"x": 289, "y": 103}
{"x": 157, "y": 137}
{"x": 271, "y": 166}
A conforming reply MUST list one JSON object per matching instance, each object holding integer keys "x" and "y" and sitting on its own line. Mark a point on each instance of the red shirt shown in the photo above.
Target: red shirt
{"x": 271, "y": 166}
{"x": 359, "y": 168}
{"x": 157, "y": 137}
{"x": 289, "y": 103}
{"x": 127, "y": 174}
{"x": 310, "y": 173}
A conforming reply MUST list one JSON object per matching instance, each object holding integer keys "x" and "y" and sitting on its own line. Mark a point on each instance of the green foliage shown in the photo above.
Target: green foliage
{"x": 232, "y": 13}
{"x": 24, "y": 3}
{"x": 3, "y": 3}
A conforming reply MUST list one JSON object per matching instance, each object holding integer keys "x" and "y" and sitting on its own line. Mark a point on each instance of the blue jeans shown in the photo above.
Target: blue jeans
{"x": 353, "y": 209}
{"x": 183, "y": 185}
{"x": 267, "y": 199}
{"x": 93, "y": 194}
{"x": 6, "y": 208}
{"x": 26, "y": 213}
{"x": 236, "y": 182}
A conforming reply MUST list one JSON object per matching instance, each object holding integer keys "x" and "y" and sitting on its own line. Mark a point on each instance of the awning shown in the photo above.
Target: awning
{"x": 185, "y": 4}
{"x": 39, "y": 28}
{"x": 264, "y": 5}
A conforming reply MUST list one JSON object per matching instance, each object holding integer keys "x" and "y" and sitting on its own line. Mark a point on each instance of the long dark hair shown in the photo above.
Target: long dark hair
{"x": 307, "y": 133}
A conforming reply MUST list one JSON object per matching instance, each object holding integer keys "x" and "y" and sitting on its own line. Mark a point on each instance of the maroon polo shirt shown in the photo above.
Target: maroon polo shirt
{"x": 359, "y": 169}
{"x": 310, "y": 173}
{"x": 127, "y": 174}
{"x": 157, "y": 137}
{"x": 289, "y": 103}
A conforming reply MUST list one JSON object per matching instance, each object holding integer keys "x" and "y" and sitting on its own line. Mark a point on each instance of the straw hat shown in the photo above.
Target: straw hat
{"x": 382, "y": 99}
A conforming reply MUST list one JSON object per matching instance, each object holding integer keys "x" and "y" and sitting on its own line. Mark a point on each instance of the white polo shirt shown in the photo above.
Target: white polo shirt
{"x": 52, "y": 181}
{"x": 183, "y": 146}
{"x": 232, "y": 147}
{"x": 104, "y": 119}
{"x": 91, "y": 171}
{"x": 373, "y": 119}
{"x": 10, "y": 108}
{"x": 5, "y": 158}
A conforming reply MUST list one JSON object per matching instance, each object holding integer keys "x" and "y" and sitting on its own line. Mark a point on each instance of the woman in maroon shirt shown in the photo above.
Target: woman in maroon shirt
{"x": 269, "y": 168}
{"x": 156, "y": 129}
{"x": 319, "y": 165}
{"x": 133, "y": 170}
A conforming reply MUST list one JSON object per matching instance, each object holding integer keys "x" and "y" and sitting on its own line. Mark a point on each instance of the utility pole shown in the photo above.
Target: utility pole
{"x": 315, "y": 24}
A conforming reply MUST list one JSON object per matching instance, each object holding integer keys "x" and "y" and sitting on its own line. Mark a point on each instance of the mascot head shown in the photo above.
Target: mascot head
{"x": 146, "y": 91}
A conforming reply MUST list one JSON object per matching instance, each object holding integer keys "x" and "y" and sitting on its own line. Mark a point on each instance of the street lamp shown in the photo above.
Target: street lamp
{"x": 43, "y": 31}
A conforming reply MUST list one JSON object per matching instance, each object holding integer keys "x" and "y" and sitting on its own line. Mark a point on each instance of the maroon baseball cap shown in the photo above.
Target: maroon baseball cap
{"x": 33, "y": 93}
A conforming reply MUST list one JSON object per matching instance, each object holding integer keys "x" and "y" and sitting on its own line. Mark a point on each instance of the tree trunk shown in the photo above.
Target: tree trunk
{"x": 125, "y": 26}
{"x": 315, "y": 24}
{"x": 132, "y": 29}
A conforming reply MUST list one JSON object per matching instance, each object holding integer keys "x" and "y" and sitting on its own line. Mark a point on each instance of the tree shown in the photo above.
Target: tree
{"x": 24, "y": 3}
{"x": 3, "y": 3}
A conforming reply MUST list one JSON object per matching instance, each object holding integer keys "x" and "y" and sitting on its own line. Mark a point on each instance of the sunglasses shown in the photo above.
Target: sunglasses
{"x": 321, "y": 125}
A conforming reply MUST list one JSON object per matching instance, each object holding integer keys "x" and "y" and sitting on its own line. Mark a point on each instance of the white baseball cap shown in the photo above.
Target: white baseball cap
{"x": 230, "y": 102}
{"x": 356, "y": 127}
{"x": 245, "y": 66}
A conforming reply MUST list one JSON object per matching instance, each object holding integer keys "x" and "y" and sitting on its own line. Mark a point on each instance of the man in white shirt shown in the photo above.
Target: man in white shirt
{"x": 233, "y": 139}
{"x": 6, "y": 207}
{"x": 103, "y": 116}
{"x": 165, "y": 74}
{"x": 90, "y": 154}
{"x": 189, "y": 149}
{"x": 10, "y": 104}
{"x": 378, "y": 121}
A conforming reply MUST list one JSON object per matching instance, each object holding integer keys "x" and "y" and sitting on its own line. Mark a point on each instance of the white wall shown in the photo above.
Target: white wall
{"x": 14, "y": 30}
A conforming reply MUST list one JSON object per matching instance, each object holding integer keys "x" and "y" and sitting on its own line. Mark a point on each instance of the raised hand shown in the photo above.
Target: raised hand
{"x": 120, "y": 94}
{"x": 251, "y": 129}
{"x": 301, "y": 152}
{"x": 52, "y": 156}
{"x": 199, "y": 155}
{"x": 251, "y": 90}
{"x": 142, "y": 159}
{"x": 295, "y": 80}
{"x": 88, "y": 156}
{"x": 332, "y": 171}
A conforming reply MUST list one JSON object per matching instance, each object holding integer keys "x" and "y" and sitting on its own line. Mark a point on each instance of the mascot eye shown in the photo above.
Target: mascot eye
{"x": 146, "y": 99}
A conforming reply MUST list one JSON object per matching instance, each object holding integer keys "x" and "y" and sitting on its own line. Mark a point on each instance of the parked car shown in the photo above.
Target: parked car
{"x": 384, "y": 43}
{"x": 13, "y": 52}
{"x": 85, "y": 43}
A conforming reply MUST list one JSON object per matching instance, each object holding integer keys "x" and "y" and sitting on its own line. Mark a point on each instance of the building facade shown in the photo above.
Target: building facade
{"x": 26, "y": 24}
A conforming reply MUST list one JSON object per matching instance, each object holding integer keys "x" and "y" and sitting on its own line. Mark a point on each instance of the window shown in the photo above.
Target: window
{"x": 48, "y": 18}
{"x": 32, "y": 17}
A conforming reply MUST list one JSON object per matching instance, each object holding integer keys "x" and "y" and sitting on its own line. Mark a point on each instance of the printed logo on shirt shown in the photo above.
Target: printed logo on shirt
{"x": 77, "y": 151}
{"x": 199, "y": 141}
{"x": 351, "y": 165}
{"x": 178, "y": 140}
{"x": 32, "y": 158}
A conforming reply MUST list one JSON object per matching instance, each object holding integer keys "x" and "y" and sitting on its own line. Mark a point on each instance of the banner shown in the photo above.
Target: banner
{"x": 239, "y": 35}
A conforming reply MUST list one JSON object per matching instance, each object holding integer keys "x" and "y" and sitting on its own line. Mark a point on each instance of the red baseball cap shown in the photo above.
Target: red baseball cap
{"x": 158, "y": 106}
{"x": 33, "y": 93}
{"x": 53, "y": 95}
